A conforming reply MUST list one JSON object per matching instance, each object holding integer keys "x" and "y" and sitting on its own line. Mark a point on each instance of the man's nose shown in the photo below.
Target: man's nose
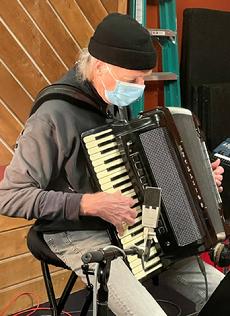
{"x": 140, "y": 80}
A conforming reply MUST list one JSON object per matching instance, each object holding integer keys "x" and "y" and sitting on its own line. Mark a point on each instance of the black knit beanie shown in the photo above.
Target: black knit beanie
{"x": 120, "y": 40}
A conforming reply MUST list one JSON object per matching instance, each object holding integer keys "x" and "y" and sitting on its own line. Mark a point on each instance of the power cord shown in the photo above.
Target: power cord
{"x": 203, "y": 271}
{"x": 171, "y": 303}
{"x": 30, "y": 311}
{"x": 193, "y": 314}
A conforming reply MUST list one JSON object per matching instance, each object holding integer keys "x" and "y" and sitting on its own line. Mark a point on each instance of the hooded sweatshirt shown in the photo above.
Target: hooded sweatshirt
{"x": 48, "y": 173}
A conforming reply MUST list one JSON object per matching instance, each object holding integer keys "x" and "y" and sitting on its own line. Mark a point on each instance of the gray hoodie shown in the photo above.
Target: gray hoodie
{"x": 48, "y": 173}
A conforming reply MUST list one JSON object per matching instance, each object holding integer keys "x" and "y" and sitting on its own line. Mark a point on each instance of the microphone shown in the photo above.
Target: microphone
{"x": 110, "y": 253}
{"x": 150, "y": 216}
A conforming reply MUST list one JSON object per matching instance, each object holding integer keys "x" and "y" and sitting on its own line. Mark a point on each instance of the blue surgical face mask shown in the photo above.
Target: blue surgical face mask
{"x": 124, "y": 93}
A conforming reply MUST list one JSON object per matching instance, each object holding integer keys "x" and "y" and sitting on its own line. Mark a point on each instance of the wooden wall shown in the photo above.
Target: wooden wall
{"x": 40, "y": 40}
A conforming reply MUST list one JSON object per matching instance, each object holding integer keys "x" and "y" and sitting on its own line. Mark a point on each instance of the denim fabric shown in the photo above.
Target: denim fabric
{"x": 126, "y": 295}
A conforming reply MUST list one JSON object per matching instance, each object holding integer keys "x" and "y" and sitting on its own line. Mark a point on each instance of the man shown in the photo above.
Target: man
{"x": 48, "y": 179}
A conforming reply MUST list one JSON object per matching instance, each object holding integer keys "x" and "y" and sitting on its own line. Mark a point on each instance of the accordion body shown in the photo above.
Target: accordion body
{"x": 162, "y": 148}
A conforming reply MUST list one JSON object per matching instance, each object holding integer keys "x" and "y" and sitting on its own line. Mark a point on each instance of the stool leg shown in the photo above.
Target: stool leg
{"x": 88, "y": 301}
{"x": 66, "y": 292}
{"x": 49, "y": 288}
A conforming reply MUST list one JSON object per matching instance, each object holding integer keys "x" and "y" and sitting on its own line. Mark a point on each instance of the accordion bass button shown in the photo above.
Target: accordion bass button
{"x": 143, "y": 180}
{"x": 161, "y": 230}
{"x": 168, "y": 243}
{"x": 138, "y": 165}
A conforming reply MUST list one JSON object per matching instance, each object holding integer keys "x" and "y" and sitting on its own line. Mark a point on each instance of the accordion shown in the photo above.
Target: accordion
{"x": 162, "y": 148}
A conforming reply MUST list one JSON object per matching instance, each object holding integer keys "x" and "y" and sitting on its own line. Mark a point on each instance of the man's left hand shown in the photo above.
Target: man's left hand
{"x": 217, "y": 173}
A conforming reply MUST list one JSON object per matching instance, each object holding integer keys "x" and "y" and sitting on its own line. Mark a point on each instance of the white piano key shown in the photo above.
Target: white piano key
{"x": 106, "y": 173}
{"x": 99, "y": 158}
{"x": 95, "y": 150}
{"x": 93, "y": 137}
{"x": 153, "y": 252}
{"x": 122, "y": 187}
{"x": 131, "y": 230}
{"x": 142, "y": 273}
{"x": 136, "y": 266}
{"x": 109, "y": 185}
{"x": 129, "y": 193}
{"x": 109, "y": 177}
{"x": 133, "y": 241}
{"x": 97, "y": 142}
{"x": 108, "y": 165}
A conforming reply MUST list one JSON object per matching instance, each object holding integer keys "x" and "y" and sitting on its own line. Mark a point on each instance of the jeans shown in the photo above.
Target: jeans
{"x": 126, "y": 295}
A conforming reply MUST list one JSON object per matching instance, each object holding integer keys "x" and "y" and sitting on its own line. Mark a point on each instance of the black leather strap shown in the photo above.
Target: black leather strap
{"x": 63, "y": 92}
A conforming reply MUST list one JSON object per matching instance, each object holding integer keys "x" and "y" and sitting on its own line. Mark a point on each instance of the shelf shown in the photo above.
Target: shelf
{"x": 162, "y": 32}
{"x": 155, "y": 76}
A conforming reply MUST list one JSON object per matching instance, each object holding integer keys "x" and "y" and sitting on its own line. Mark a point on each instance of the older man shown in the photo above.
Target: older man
{"x": 47, "y": 178}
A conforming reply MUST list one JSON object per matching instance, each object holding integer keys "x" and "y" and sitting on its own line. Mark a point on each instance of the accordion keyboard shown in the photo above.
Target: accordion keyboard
{"x": 112, "y": 176}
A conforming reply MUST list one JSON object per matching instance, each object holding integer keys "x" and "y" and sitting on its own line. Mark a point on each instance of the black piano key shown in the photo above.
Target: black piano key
{"x": 139, "y": 242}
{"x": 104, "y": 151}
{"x": 112, "y": 159}
{"x": 119, "y": 176}
{"x": 117, "y": 185}
{"x": 106, "y": 142}
{"x": 103, "y": 135}
{"x": 151, "y": 266}
{"x": 127, "y": 189}
{"x": 115, "y": 166}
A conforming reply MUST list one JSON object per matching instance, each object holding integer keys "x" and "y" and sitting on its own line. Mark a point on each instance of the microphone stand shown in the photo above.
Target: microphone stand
{"x": 104, "y": 258}
{"x": 103, "y": 292}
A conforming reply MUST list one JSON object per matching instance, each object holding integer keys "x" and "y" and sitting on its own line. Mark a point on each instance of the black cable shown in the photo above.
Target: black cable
{"x": 171, "y": 303}
{"x": 203, "y": 271}
{"x": 193, "y": 314}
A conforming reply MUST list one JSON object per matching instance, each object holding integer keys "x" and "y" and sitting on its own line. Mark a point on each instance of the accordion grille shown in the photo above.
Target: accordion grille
{"x": 169, "y": 176}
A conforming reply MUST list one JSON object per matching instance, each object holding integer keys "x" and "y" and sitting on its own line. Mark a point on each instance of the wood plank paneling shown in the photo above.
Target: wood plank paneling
{"x": 122, "y": 6}
{"x": 50, "y": 25}
{"x": 20, "y": 274}
{"x": 110, "y": 5}
{"x": 115, "y": 6}
{"x": 25, "y": 71}
{"x": 9, "y": 223}
{"x": 9, "y": 127}
{"x": 14, "y": 242}
{"x": 31, "y": 39}
{"x": 13, "y": 95}
{"x": 77, "y": 23}
{"x": 94, "y": 16}
{"x": 37, "y": 288}
{"x": 5, "y": 155}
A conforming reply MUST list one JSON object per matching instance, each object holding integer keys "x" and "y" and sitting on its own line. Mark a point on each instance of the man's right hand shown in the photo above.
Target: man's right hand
{"x": 112, "y": 207}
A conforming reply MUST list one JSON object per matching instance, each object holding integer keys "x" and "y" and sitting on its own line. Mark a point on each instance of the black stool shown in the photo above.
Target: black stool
{"x": 42, "y": 252}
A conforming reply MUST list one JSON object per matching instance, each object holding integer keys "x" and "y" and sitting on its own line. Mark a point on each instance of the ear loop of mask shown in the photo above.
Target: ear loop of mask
{"x": 109, "y": 70}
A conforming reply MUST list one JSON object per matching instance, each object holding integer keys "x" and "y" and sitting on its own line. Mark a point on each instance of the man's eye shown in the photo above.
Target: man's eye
{"x": 132, "y": 81}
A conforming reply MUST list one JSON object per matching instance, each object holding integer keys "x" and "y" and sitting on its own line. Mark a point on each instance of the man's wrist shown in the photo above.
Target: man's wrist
{"x": 86, "y": 208}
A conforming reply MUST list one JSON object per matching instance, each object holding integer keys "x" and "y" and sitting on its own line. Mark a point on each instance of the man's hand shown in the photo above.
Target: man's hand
{"x": 112, "y": 207}
{"x": 217, "y": 173}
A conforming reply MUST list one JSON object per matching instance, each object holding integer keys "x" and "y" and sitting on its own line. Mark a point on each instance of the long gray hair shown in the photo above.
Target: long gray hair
{"x": 84, "y": 65}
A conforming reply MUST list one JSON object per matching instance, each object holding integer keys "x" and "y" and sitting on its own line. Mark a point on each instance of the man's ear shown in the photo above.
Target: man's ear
{"x": 100, "y": 67}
